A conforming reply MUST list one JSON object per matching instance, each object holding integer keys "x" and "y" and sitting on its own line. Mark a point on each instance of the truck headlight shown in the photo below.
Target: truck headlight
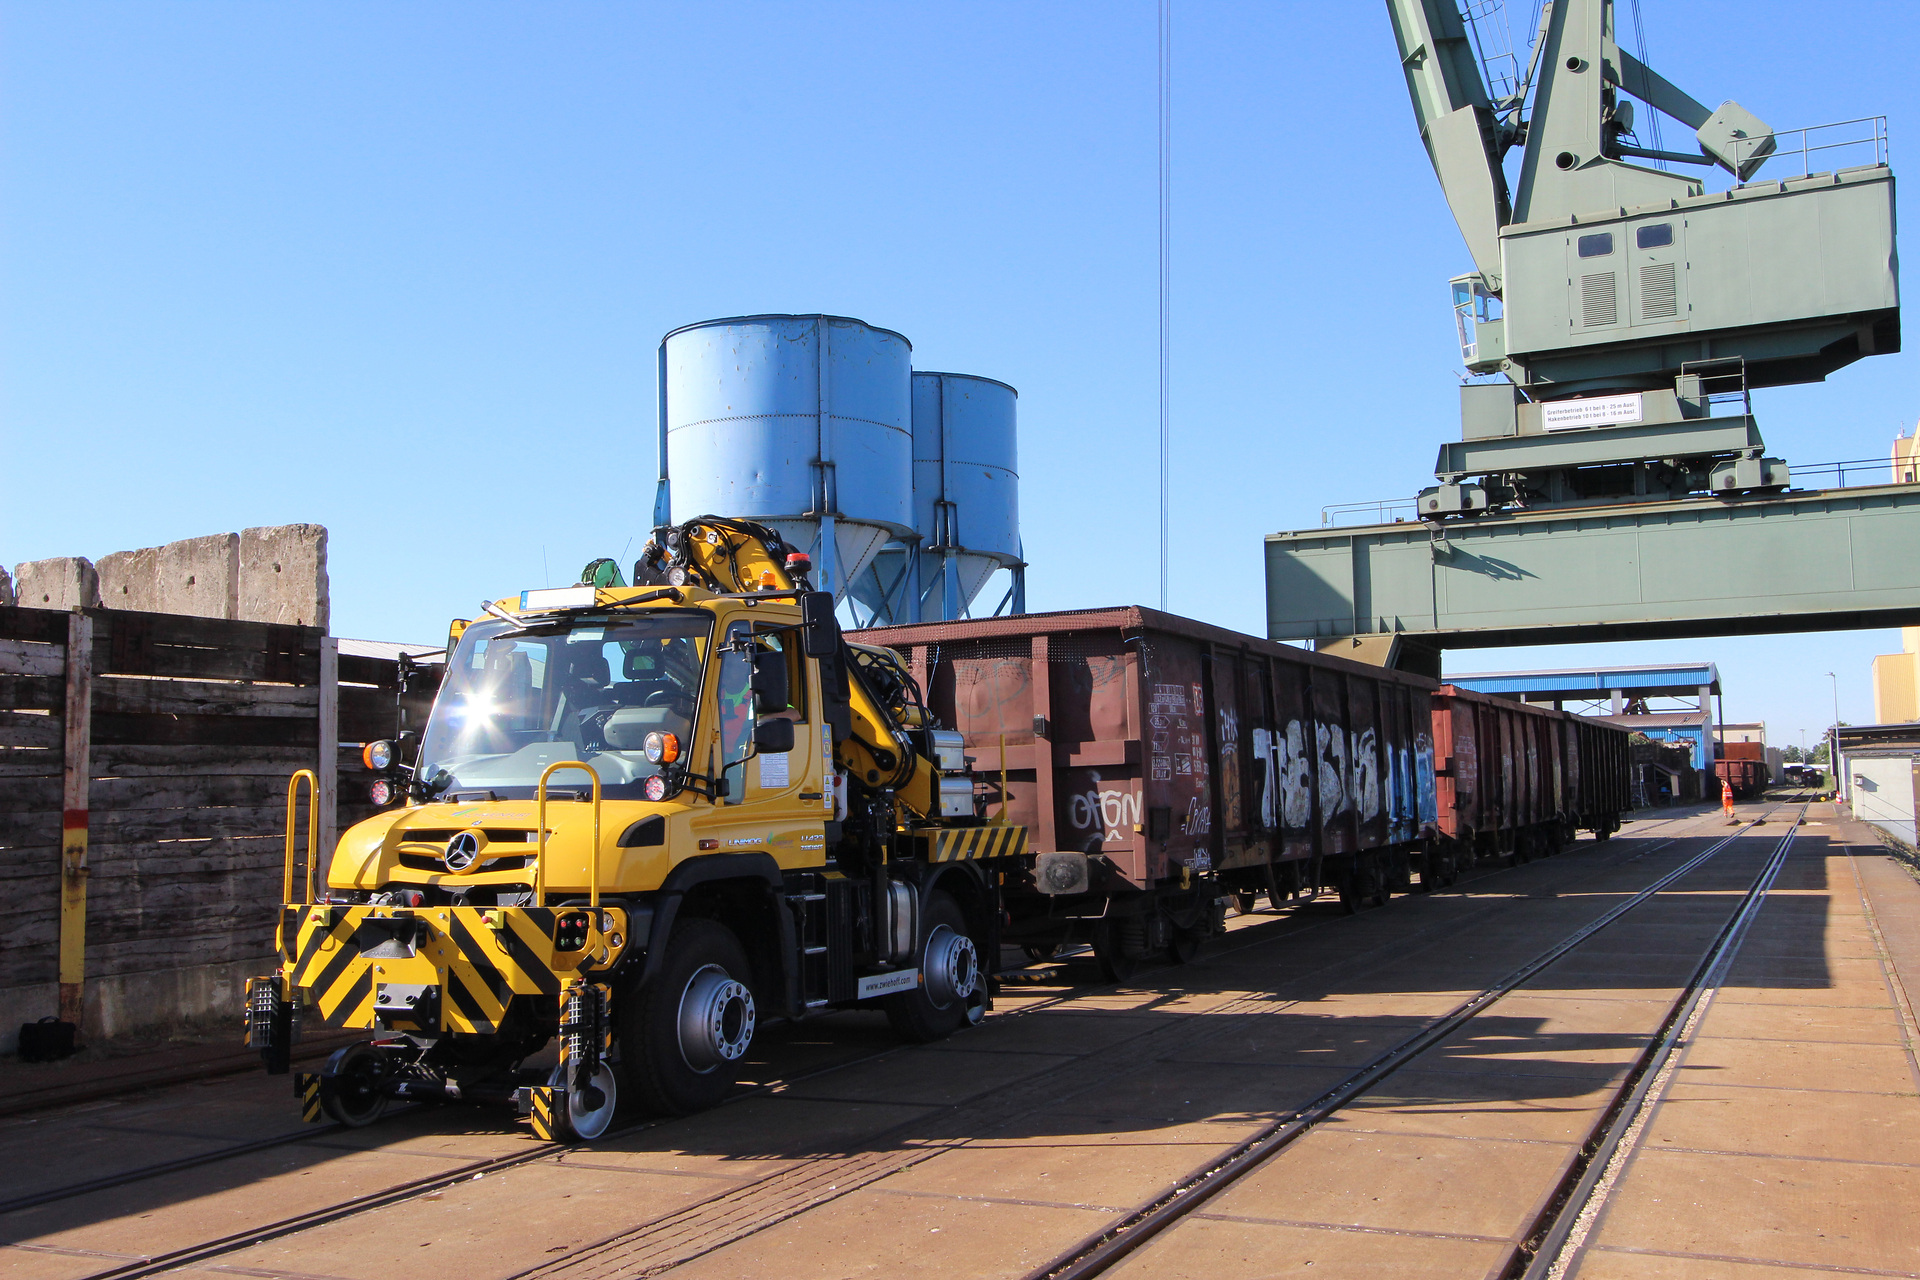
{"x": 662, "y": 748}
{"x": 377, "y": 756}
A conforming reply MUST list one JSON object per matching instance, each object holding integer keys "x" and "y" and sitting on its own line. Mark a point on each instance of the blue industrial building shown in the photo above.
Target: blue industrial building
{"x": 1639, "y": 699}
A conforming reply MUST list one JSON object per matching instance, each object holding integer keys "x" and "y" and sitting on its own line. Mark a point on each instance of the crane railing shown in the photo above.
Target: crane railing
{"x": 1866, "y": 135}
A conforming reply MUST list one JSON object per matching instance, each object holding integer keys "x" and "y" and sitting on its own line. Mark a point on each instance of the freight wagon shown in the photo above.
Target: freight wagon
{"x": 1157, "y": 761}
{"x": 1748, "y": 778}
{"x": 1520, "y": 781}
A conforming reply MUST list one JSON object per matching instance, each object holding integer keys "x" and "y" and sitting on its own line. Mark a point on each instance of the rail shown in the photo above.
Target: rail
{"x": 540, "y": 849}
{"x": 158, "y": 1264}
{"x": 1103, "y": 1249}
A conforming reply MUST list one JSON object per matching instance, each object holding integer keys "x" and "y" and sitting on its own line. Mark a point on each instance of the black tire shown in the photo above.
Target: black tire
{"x": 670, "y": 1077}
{"x": 920, "y": 1015}
{"x": 351, "y": 1091}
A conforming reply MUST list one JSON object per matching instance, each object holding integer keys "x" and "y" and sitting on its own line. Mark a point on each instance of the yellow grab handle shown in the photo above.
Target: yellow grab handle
{"x": 540, "y": 855}
{"x": 313, "y": 846}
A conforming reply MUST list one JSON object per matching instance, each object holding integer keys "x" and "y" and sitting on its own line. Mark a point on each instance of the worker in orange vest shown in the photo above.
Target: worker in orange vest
{"x": 1726, "y": 800}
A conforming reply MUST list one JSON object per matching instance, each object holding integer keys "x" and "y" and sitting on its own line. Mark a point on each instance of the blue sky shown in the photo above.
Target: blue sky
{"x": 401, "y": 270}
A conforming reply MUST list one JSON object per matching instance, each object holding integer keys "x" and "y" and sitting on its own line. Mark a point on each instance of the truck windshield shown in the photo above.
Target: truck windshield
{"x": 515, "y": 701}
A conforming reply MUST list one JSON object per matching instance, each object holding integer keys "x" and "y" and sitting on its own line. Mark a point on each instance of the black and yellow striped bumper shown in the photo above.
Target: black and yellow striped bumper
{"x": 429, "y": 970}
{"x": 958, "y": 844}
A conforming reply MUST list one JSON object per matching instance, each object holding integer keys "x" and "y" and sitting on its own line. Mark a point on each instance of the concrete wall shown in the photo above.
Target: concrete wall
{"x": 197, "y": 577}
{"x": 271, "y": 574}
{"x": 283, "y": 575}
{"x": 64, "y": 582}
{"x": 138, "y": 1003}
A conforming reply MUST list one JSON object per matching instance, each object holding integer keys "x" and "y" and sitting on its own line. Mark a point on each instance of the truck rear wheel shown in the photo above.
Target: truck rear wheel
{"x": 948, "y": 997}
{"x": 680, "y": 1039}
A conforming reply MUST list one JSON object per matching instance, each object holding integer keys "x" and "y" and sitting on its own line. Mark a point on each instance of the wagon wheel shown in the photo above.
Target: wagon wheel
{"x": 1362, "y": 885}
{"x": 1184, "y": 944}
{"x": 1110, "y": 949}
{"x": 1378, "y": 881}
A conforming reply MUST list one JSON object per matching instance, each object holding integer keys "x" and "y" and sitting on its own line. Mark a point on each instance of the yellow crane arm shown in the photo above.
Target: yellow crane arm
{"x": 741, "y": 557}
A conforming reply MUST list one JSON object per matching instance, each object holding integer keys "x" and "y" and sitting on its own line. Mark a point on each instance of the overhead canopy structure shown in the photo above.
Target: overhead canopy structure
{"x": 1617, "y": 685}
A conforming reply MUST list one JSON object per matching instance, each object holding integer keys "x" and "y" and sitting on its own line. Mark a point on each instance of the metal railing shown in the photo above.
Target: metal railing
{"x": 1840, "y": 471}
{"x": 540, "y": 850}
{"x": 1848, "y": 472}
{"x": 1385, "y": 511}
{"x": 1866, "y": 131}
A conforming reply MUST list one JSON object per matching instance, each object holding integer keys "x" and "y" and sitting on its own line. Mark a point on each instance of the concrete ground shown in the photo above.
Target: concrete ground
{"x": 1785, "y": 1143}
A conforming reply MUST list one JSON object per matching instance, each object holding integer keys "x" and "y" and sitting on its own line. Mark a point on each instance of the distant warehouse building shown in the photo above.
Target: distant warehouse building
{"x": 1879, "y": 776}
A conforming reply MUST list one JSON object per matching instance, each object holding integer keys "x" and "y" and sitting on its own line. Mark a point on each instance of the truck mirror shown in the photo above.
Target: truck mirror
{"x": 770, "y": 682}
{"x": 773, "y": 737}
{"x": 820, "y": 630}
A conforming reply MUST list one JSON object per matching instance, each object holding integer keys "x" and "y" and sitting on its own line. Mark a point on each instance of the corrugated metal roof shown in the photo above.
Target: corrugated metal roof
{"x": 388, "y": 649}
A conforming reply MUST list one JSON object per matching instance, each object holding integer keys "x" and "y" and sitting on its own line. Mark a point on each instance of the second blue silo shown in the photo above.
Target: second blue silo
{"x": 801, "y": 422}
{"x": 966, "y": 503}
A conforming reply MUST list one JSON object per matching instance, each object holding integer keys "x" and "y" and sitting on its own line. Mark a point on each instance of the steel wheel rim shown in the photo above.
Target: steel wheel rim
{"x": 715, "y": 1020}
{"x": 951, "y": 968}
{"x": 586, "y": 1122}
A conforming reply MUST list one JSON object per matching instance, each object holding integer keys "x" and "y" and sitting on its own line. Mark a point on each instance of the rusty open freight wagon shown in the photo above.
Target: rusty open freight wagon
{"x": 1518, "y": 780}
{"x": 1158, "y": 761}
{"x": 1748, "y": 778}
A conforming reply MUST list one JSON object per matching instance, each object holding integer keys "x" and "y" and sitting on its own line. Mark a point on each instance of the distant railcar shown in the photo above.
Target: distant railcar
{"x": 1748, "y": 778}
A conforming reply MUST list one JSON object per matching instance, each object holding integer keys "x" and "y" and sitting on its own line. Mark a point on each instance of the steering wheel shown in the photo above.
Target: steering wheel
{"x": 593, "y": 727}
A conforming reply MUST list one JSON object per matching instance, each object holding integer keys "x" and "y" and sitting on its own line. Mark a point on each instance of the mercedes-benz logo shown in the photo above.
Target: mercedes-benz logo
{"x": 462, "y": 851}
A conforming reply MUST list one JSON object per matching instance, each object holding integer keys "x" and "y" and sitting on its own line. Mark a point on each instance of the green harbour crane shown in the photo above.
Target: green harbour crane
{"x": 1620, "y": 307}
{"x": 1625, "y": 300}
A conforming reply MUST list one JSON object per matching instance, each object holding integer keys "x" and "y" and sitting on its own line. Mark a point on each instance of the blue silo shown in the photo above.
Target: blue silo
{"x": 966, "y": 502}
{"x": 802, "y": 422}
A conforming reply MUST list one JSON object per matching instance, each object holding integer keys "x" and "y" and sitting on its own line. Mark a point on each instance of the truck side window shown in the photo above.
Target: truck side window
{"x": 1598, "y": 245}
{"x": 788, "y": 643}
{"x": 736, "y": 697}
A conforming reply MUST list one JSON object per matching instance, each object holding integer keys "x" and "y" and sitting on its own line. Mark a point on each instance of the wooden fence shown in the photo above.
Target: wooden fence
{"x": 157, "y": 748}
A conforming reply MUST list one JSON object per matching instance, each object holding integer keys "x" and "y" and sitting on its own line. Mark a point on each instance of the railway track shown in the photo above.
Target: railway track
{"x": 663, "y": 1244}
{"x": 1557, "y": 1233}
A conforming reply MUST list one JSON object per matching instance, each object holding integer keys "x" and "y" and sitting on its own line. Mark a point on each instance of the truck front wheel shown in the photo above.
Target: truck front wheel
{"x": 948, "y": 997}
{"x": 680, "y": 1039}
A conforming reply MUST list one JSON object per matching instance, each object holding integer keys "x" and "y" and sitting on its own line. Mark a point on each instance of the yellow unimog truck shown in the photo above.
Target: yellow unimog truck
{"x": 640, "y": 819}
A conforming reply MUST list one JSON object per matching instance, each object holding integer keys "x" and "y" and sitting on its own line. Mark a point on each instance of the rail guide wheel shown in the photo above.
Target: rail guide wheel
{"x": 353, "y": 1085}
{"x": 589, "y": 1112}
